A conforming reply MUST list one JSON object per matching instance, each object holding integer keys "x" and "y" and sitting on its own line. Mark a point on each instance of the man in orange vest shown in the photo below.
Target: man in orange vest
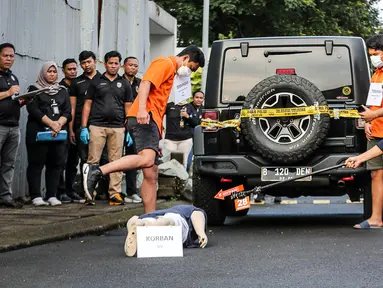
{"x": 374, "y": 132}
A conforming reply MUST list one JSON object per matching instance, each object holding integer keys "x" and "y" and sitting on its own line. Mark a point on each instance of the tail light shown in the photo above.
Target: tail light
{"x": 359, "y": 123}
{"x": 290, "y": 71}
{"x": 212, "y": 115}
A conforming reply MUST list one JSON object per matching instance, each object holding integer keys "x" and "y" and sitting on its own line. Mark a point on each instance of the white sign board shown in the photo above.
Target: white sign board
{"x": 182, "y": 89}
{"x": 375, "y": 95}
{"x": 159, "y": 241}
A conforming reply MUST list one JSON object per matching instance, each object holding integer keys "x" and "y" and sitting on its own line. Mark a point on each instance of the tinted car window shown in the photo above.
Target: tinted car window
{"x": 330, "y": 73}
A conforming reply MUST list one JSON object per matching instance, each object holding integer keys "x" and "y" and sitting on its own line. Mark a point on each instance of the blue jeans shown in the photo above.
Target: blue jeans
{"x": 190, "y": 159}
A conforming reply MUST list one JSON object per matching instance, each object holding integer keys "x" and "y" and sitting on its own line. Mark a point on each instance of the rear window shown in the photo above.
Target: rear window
{"x": 330, "y": 73}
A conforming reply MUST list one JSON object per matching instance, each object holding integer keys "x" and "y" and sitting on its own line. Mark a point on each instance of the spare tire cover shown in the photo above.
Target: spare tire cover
{"x": 285, "y": 139}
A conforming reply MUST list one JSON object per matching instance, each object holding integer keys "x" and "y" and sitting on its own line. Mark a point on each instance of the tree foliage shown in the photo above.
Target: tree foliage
{"x": 259, "y": 18}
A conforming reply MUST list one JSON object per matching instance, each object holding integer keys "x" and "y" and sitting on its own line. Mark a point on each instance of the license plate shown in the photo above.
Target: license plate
{"x": 270, "y": 174}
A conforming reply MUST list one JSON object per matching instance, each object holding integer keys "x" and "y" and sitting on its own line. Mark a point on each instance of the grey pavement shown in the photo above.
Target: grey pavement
{"x": 301, "y": 245}
{"x": 37, "y": 225}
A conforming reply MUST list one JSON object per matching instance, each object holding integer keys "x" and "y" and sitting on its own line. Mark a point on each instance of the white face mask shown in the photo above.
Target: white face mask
{"x": 376, "y": 61}
{"x": 184, "y": 71}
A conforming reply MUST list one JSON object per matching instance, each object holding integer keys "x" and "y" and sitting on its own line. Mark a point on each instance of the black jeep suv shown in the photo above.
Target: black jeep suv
{"x": 282, "y": 72}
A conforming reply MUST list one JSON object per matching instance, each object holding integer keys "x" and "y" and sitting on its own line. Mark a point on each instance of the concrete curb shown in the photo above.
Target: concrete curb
{"x": 72, "y": 228}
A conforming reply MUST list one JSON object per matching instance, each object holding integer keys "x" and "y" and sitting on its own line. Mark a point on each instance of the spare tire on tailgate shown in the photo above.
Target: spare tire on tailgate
{"x": 285, "y": 139}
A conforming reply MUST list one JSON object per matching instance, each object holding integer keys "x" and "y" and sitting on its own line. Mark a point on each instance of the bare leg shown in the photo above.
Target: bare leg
{"x": 149, "y": 188}
{"x": 145, "y": 158}
{"x": 377, "y": 198}
{"x": 198, "y": 221}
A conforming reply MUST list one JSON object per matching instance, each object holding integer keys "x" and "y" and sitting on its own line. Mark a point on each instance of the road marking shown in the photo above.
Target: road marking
{"x": 315, "y": 202}
{"x": 257, "y": 203}
{"x": 321, "y": 201}
{"x": 289, "y": 202}
{"x": 357, "y": 202}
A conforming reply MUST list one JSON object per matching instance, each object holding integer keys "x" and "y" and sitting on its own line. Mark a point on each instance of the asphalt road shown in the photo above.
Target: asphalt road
{"x": 298, "y": 245}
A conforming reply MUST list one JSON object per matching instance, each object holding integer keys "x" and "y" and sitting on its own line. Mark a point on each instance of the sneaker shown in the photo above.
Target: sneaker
{"x": 91, "y": 174}
{"x": 130, "y": 247}
{"x": 38, "y": 201}
{"x": 133, "y": 199}
{"x": 54, "y": 201}
{"x": 76, "y": 198}
{"x": 89, "y": 202}
{"x": 116, "y": 199}
{"x": 9, "y": 202}
{"x": 65, "y": 198}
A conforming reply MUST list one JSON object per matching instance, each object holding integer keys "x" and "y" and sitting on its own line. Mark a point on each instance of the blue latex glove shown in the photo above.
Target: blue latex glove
{"x": 129, "y": 140}
{"x": 84, "y": 136}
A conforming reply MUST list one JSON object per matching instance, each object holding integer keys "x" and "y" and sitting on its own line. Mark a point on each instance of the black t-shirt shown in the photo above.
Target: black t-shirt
{"x": 195, "y": 114}
{"x": 9, "y": 109}
{"x": 42, "y": 105}
{"x": 174, "y": 131}
{"x": 63, "y": 83}
{"x": 109, "y": 98}
{"x": 135, "y": 85}
{"x": 77, "y": 89}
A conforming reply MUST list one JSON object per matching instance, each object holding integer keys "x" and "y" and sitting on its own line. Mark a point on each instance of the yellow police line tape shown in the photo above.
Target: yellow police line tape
{"x": 281, "y": 112}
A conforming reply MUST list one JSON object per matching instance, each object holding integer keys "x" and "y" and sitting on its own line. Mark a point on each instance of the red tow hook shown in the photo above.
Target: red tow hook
{"x": 342, "y": 183}
{"x": 226, "y": 180}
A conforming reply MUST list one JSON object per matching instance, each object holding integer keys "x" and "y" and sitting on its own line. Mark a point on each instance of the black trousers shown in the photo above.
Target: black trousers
{"x": 74, "y": 154}
{"x": 52, "y": 156}
{"x": 131, "y": 174}
{"x": 66, "y": 184}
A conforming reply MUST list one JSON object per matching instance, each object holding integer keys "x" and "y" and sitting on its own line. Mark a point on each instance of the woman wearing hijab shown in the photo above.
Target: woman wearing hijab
{"x": 50, "y": 110}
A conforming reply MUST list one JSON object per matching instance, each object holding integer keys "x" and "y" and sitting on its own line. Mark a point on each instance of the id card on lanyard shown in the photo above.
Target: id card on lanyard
{"x": 55, "y": 108}
{"x": 375, "y": 94}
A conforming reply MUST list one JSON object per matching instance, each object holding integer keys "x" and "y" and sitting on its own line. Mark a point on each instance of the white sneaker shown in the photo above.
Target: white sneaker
{"x": 39, "y": 202}
{"x": 133, "y": 199}
{"x": 54, "y": 201}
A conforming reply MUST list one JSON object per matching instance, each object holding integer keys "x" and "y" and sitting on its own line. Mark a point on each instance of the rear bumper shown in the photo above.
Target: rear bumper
{"x": 242, "y": 165}
{"x": 249, "y": 169}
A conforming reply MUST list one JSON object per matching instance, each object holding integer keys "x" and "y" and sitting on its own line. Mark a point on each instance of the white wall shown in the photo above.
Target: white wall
{"x": 161, "y": 45}
{"x": 44, "y": 30}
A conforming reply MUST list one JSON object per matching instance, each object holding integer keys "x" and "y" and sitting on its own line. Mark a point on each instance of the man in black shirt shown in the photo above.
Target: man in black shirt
{"x": 69, "y": 68}
{"x": 77, "y": 90}
{"x": 66, "y": 191}
{"x": 108, "y": 100}
{"x": 9, "y": 123}
{"x": 131, "y": 70}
